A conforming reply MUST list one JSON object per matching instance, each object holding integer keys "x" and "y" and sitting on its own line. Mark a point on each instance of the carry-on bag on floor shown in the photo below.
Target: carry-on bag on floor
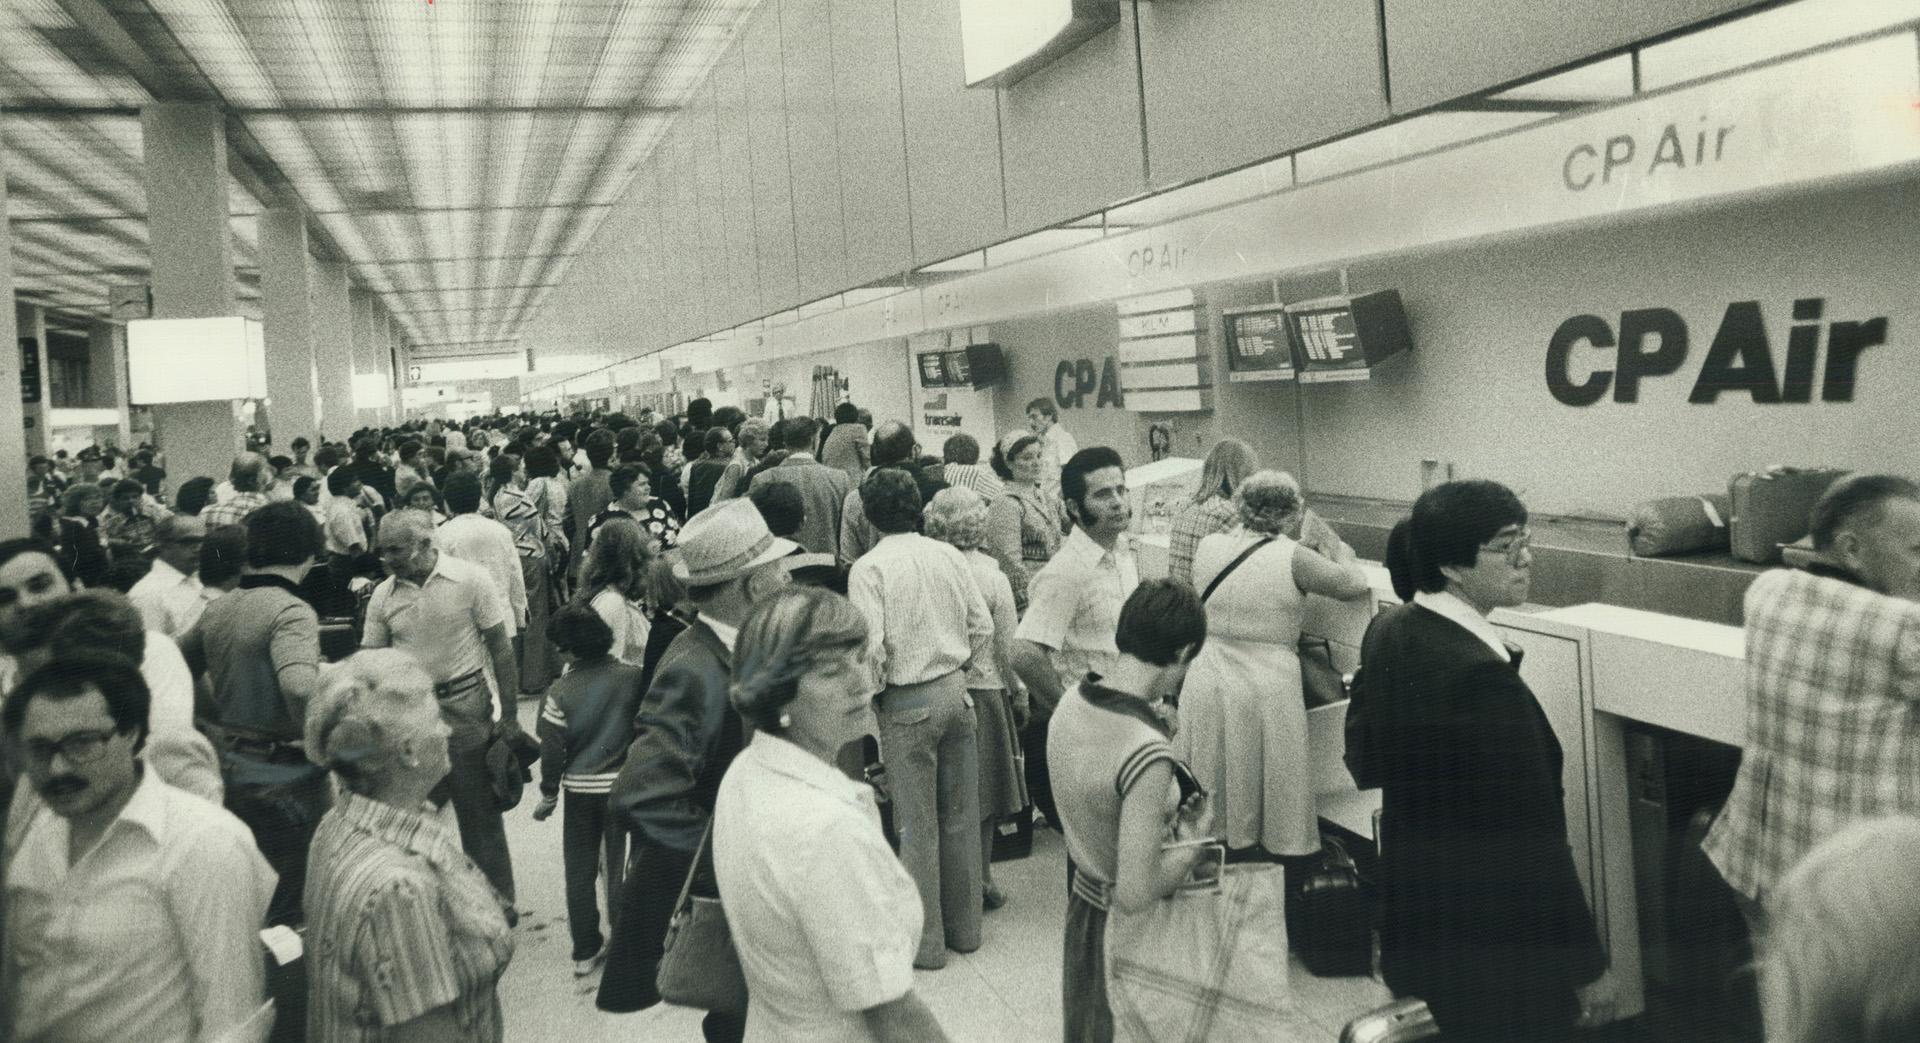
{"x": 1679, "y": 525}
{"x": 1771, "y": 507}
{"x": 1329, "y": 916}
{"x": 1402, "y": 1021}
{"x": 1013, "y": 836}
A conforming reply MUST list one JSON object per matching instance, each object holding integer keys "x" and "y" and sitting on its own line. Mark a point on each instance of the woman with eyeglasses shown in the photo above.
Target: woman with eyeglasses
{"x": 1485, "y": 917}
{"x": 824, "y": 917}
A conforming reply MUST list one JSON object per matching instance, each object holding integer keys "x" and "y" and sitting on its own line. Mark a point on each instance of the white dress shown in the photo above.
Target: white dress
{"x": 1243, "y": 714}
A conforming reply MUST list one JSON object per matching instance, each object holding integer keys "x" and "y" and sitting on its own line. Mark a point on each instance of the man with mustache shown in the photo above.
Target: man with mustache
{"x": 1073, "y": 603}
{"x": 133, "y": 906}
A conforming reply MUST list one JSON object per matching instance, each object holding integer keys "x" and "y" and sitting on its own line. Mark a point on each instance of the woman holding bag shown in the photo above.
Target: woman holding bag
{"x": 1114, "y": 779}
{"x": 825, "y": 919}
{"x": 1244, "y": 726}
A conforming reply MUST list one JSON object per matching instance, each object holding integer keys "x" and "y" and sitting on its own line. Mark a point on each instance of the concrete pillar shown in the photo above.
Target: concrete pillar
{"x": 332, "y": 332}
{"x": 388, "y": 335}
{"x": 31, "y": 323}
{"x": 366, "y": 350}
{"x": 107, "y": 383}
{"x": 185, "y": 167}
{"x": 286, "y": 286}
{"x": 13, "y": 414}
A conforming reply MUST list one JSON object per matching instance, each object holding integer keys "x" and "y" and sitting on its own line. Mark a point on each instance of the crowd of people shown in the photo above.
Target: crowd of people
{"x": 289, "y": 699}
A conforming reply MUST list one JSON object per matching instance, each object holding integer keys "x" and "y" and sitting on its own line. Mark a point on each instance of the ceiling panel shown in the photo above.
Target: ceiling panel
{"x": 456, "y": 155}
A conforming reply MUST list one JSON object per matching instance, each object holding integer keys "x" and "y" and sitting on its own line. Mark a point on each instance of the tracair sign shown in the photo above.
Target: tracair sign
{"x": 1004, "y": 40}
{"x": 1653, "y": 343}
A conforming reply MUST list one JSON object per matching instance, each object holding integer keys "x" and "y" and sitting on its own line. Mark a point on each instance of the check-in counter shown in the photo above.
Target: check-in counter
{"x": 1594, "y": 668}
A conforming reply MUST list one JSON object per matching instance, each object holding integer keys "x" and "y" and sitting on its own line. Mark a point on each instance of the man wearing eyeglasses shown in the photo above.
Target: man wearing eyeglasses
{"x": 132, "y": 907}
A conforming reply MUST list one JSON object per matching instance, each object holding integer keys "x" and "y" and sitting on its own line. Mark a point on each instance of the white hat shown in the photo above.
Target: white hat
{"x": 725, "y": 542}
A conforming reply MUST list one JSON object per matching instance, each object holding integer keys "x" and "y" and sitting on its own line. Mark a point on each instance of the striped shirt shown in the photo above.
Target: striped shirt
{"x": 400, "y": 923}
{"x": 925, "y": 615}
{"x": 978, "y": 477}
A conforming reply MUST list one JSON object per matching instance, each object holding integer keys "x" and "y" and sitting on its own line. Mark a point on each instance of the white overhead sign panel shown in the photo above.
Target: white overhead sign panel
{"x": 1844, "y": 111}
{"x": 1004, "y": 40}
{"x": 195, "y": 360}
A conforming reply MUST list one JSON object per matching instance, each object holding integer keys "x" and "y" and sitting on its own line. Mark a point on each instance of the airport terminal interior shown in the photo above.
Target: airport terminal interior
{"x": 1036, "y": 377}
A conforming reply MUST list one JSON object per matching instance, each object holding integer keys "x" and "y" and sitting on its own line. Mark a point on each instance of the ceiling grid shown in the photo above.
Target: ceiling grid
{"x": 457, "y": 156}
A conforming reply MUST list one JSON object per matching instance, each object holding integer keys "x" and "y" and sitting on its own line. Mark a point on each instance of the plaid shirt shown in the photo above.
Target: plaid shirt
{"x": 234, "y": 511}
{"x": 1191, "y": 524}
{"x": 1833, "y": 721}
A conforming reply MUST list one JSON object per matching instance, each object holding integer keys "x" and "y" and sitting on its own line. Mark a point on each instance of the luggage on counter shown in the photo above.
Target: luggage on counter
{"x": 1402, "y": 1021}
{"x": 1771, "y": 507}
{"x": 1679, "y": 525}
{"x": 1329, "y": 915}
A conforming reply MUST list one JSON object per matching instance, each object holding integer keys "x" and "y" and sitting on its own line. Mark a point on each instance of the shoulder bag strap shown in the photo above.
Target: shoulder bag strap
{"x": 686, "y": 889}
{"x": 1231, "y": 565}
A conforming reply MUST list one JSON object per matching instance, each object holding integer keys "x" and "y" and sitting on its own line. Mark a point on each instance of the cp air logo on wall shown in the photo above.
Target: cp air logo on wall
{"x": 1651, "y": 343}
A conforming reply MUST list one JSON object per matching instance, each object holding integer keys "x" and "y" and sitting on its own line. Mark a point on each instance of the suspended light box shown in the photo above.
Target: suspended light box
{"x": 371, "y": 391}
{"x": 1002, "y": 41}
{"x": 196, "y": 360}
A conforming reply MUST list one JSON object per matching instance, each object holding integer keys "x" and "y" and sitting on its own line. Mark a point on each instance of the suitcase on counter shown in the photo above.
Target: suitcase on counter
{"x": 1678, "y": 525}
{"x": 1771, "y": 507}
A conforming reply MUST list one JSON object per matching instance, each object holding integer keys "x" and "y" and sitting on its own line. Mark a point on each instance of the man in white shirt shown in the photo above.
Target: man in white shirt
{"x": 485, "y": 543}
{"x": 170, "y": 597}
{"x": 1056, "y": 441}
{"x": 133, "y": 907}
{"x": 1074, "y": 601}
{"x": 927, "y": 621}
{"x": 346, "y": 528}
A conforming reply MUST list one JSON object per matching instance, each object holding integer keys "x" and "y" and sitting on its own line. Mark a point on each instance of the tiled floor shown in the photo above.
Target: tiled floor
{"x": 1007, "y": 991}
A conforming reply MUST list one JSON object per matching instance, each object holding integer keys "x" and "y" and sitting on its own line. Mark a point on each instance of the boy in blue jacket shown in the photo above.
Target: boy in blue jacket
{"x": 586, "y": 725}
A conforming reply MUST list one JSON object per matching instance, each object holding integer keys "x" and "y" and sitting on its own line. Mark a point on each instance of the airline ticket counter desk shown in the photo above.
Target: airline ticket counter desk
{"x": 1600, "y": 673}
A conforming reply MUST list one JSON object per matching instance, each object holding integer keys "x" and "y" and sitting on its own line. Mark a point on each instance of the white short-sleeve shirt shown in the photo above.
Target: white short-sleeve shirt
{"x": 825, "y": 919}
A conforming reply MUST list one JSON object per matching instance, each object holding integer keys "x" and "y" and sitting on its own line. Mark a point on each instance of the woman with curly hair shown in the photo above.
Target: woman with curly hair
{"x": 615, "y": 585}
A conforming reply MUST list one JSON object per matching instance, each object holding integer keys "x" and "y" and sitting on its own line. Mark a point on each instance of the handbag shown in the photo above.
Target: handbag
{"x": 1320, "y": 680}
{"x": 699, "y": 967}
{"x": 1330, "y": 916}
{"x": 1206, "y": 963}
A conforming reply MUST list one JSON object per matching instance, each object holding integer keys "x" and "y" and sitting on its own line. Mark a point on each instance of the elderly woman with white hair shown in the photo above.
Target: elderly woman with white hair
{"x": 1836, "y": 957}
{"x": 1243, "y": 715}
{"x": 406, "y": 939}
{"x": 959, "y": 517}
{"x": 824, "y": 917}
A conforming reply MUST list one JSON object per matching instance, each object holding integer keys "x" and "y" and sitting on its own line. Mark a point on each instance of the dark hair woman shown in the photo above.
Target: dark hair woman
{"x": 1485, "y": 917}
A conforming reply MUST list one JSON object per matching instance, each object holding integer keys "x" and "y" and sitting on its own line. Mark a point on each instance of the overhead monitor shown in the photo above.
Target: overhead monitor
{"x": 933, "y": 372}
{"x": 976, "y": 366}
{"x": 1002, "y": 41}
{"x": 1343, "y": 338}
{"x": 1257, "y": 345}
{"x": 195, "y": 360}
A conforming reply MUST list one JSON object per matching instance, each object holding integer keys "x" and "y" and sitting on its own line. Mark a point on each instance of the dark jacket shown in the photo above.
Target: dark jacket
{"x": 1485, "y": 916}
{"x": 685, "y": 736}
{"x": 586, "y": 724}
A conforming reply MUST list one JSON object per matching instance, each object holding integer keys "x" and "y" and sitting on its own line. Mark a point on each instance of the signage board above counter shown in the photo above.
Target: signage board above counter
{"x": 1835, "y": 112}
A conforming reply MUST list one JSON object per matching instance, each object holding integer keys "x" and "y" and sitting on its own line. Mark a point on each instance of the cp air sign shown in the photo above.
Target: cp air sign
{"x": 1004, "y": 40}
{"x": 1652, "y": 343}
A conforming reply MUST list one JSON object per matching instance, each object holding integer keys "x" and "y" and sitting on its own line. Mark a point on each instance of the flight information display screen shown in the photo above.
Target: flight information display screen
{"x": 1327, "y": 338}
{"x": 933, "y": 373}
{"x": 1257, "y": 347}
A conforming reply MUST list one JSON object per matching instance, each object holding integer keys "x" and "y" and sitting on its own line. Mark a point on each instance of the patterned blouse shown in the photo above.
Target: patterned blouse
{"x": 1023, "y": 532}
{"x": 1191, "y": 524}
{"x": 528, "y": 526}
{"x": 400, "y": 923}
